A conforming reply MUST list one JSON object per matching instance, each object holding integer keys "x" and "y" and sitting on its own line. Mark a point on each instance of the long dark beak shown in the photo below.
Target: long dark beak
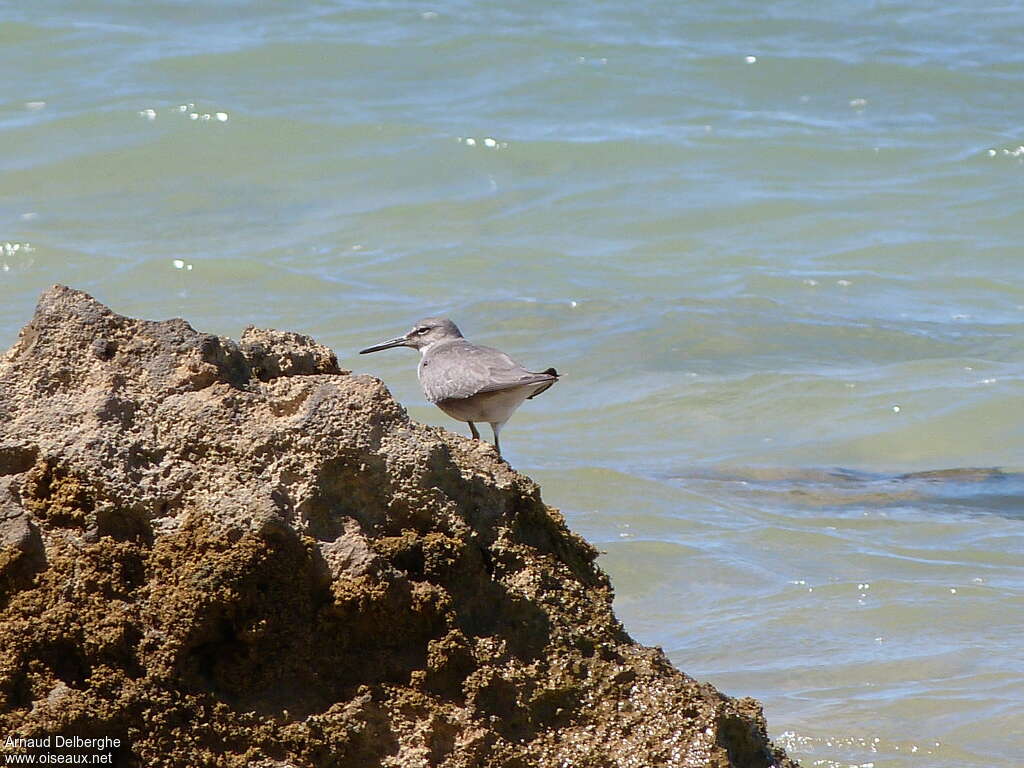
{"x": 399, "y": 342}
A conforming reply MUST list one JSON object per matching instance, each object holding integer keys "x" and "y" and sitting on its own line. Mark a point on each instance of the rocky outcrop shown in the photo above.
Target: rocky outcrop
{"x": 238, "y": 554}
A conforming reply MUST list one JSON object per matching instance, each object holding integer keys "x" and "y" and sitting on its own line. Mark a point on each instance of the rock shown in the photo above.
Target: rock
{"x": 21, "y": 548}
{"x": 238, "y": 554}
{"x": 272, "y": 354}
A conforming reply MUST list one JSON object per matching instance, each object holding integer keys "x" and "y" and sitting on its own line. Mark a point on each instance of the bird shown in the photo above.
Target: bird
{"x": 467, "y": 381}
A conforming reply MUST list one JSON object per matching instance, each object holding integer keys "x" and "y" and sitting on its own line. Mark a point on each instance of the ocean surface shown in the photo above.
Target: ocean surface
{"x": 776, "y": 249}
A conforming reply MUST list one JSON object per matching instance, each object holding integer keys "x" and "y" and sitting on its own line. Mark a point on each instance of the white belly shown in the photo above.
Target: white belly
{"x": 490, "y": 407}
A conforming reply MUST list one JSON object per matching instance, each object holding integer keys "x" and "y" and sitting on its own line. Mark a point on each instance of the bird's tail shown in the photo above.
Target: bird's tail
{"x": 549, "y": 372}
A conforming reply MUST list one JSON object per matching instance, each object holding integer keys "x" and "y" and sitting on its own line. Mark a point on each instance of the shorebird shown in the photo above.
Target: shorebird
{"x": 468, "y": 382}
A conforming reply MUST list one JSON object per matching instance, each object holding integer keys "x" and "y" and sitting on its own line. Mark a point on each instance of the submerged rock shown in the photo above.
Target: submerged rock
{"x": 238, "y": 554}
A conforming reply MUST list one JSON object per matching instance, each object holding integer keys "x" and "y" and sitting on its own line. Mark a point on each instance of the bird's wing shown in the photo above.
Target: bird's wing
{"x": 462, "y": 370}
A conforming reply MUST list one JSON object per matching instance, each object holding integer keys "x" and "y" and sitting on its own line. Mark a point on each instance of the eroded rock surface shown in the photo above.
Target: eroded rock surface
{"x": 238, "y": 554}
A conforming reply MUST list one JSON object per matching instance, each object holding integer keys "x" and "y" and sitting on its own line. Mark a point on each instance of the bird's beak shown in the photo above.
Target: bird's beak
{"x": 401, "y": 341}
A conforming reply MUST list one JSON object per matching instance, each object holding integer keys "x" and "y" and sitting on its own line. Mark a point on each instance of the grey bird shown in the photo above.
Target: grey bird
{"x": 468, "y": 382}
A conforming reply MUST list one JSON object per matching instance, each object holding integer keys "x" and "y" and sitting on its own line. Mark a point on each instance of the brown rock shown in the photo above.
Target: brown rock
{"x": 238, "y": 554}
{"x": 21, "y": 548}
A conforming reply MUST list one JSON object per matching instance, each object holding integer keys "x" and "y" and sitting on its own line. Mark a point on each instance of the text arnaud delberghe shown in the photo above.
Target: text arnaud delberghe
{"x": 100, "y": 744}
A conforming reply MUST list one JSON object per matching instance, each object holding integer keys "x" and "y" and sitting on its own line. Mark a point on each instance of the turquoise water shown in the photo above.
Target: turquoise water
{"x": 775, "y": 250}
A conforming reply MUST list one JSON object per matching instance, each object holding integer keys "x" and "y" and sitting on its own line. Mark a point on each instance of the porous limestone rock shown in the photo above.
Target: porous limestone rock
{"x": 238, "y": 554}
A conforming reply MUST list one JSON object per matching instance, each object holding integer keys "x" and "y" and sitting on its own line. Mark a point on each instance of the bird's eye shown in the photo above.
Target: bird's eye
{"x": 421, "y": 331}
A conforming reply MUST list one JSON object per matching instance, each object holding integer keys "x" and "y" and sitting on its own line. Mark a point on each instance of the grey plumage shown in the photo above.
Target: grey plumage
{"x": 457, "y": 369}
{"x": 469, "y": 382}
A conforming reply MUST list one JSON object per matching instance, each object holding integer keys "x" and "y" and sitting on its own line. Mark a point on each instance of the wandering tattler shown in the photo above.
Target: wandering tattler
{"x": 468, "y": 382}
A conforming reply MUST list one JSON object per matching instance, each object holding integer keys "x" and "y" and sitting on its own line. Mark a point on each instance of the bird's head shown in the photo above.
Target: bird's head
{"x": 424, "y": 334}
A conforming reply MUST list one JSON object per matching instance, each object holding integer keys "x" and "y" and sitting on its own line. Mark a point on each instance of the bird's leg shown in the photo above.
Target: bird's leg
{"x": 472, "y": 428}
{"x": 496, "y": 428}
